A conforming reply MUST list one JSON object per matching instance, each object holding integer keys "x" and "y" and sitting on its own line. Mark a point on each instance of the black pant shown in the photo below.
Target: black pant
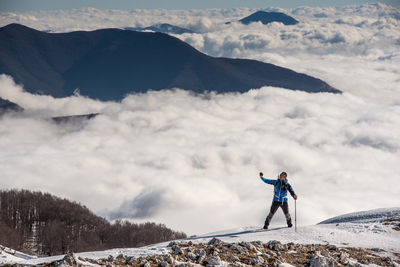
{"x": 274, "y": 207}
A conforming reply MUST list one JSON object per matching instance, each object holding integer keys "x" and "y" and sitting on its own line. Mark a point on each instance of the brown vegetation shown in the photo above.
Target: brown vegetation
{"x": 43, "y": 224}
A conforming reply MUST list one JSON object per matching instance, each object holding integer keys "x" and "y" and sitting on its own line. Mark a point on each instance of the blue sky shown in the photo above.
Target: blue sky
{"x": 29, "y": 5}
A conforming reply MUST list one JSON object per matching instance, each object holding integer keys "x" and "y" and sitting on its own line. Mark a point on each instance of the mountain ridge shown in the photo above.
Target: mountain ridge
{"x": 108, "y": 64}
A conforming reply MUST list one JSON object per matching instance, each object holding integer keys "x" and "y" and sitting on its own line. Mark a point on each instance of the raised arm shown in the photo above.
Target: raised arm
{"x": 267, "y": 181}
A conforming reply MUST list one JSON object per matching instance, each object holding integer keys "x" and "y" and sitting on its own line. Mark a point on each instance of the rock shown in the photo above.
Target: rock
{"x": 389, "y": 261}
{"x": 110, "y": 258}
{"x": 199, "y": 252}
{"x": 213, "y": 260}
{"x": 120, "y": 256}
{"x": 171, "y": 244}
{"x": 238, "y": 248}
{"x": 324, "y": 253}
{"x": 164, "y": 264}
{"x": 343, "y": 258}
{"x": 170, "y": 259}
{"x": 321, "y": 261}
{"x": 201, "y": 255}
{"x": 291, "y": 246}
{"x": 234, "y": 247}
{"x": 257, "y": 261}
{"x": 258, "y": 244}
{"x": 200, "y": 259}
{"x": 191, "y": 256}
{"x": 176, "y": 250}
{"x": 234, "y": 258}
{"x": 68, "y": 260}
{"x": 214, "y": 242}
{"x": 265, "y": 256}
{"x": 270, "y": 253}
{"x": 248, "y": 245}
{"x": 130, "y": 259}
{"x": 332, "y": 247}
{"x": 275, "y": 245}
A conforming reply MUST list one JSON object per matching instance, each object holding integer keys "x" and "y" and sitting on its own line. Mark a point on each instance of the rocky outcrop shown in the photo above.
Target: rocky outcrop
{"x": 256, "y": 253}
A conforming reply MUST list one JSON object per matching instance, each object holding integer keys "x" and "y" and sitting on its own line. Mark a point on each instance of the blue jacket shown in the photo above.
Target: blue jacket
{"x": 280, "y": 189}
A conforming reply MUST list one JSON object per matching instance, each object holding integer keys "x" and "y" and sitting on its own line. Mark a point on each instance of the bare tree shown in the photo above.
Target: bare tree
{"x": 40, "y": 223}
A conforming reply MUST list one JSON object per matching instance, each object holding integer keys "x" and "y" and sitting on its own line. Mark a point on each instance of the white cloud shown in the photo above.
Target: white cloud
{"x": 193, "y": 161}
{"x": 92, "y": 18}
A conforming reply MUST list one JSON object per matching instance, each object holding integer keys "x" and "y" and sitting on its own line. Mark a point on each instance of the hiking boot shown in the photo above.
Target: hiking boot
{"x": 265, "y": 227}
{"x": 289, "y": 225}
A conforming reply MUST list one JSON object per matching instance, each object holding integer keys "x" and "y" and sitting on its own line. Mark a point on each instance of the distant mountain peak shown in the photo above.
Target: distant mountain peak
{"x": 267, "y": 17}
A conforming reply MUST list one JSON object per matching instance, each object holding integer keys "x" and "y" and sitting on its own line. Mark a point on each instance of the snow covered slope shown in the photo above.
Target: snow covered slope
{"x": 371, "y": 216}
{"x": 366, "y": 229}
{"x": 369, "y": 229}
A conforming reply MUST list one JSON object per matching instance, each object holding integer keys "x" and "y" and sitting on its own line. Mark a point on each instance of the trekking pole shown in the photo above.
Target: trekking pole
{"x": 295, "y": 216}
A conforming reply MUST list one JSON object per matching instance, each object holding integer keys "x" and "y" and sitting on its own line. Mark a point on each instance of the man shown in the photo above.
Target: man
{"x": 281, "y": 186}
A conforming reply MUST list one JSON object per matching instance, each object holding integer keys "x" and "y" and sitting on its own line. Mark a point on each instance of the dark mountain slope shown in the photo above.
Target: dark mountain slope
{"x": 110, "y": 63}
{"x": 6, "y": 106}
{"x": 268, "y": 17}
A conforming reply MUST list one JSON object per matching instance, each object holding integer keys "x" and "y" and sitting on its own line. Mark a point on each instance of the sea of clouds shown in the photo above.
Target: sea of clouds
{"x": 192, "y": 162}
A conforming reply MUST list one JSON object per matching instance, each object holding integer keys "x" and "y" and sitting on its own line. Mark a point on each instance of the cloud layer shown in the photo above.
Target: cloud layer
{"x": 192, "y": 162}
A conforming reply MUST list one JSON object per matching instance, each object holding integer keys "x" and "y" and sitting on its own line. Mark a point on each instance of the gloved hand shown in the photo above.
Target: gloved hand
{"x": 261, "y": 174}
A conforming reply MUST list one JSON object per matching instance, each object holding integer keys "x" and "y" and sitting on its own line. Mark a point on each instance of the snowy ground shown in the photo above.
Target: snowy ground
{"x": 362, "y": 229}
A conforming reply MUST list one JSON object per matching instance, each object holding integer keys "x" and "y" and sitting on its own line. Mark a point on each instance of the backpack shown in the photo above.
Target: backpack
{"x": 276, "y": 194}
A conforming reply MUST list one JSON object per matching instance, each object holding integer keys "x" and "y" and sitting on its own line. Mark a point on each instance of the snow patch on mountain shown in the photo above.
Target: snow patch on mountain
{"x": 371, "y": 216}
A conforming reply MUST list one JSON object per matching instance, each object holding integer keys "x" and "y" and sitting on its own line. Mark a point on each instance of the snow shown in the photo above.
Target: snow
{"x": 345, "y": 234}
{"x": 377, "y": 215}
{"x": 8, "y": 255}
{"x": 364, "y": 229}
